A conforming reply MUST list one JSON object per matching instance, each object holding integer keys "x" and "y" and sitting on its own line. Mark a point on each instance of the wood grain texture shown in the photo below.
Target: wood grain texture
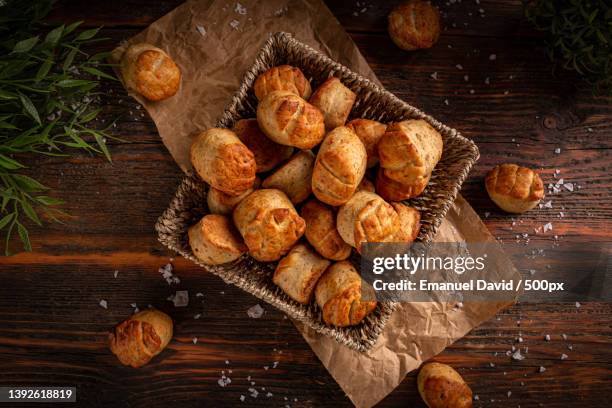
{"x": 53, "y": 331}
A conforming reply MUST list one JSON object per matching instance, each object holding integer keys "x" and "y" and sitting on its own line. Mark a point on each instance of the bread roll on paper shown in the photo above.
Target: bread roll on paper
{"x": 223, "y": 161}
{"x": 370, "y": 132}
{"x": 267, "y": 154}
{"x": 282, "y": 78}
{"x": 335, "y": 101}
{"x": 441, "y": 386}
{"x": 268, "y": 223}
{"x": 513, "y": 188}
{"x": 138, "y": 339}
{"x": 410, "y": 223}
{"x": 298, "y": 272}
{"x": 289, "y": 120}
{"x": 340, "y": 166}
{"x": 214, "y": 240}
{"x": 408, "y": 153}
{"x": 414, "y": 24}
{"x": 221, "y": 203}
{"x": 321, "y": 231}
{"x": 294, "y": 177}
{"x": 338, "y": 294}
{"x": 149, "y": 71}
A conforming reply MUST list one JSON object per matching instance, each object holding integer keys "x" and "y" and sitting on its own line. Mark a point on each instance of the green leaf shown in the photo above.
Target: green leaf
{"x": 25, "y": 45}
{"x": 102, "y": 143}
{"x": 98, "y": 73}
{"x": 73, "y": 83}
{"x": 29, "y": 107}
{"x": 69, "y": 59}
{"x": 44, "y": 69}
{"x": 28, "y": 183}
{"x": 9, "y": 163}
{"x": 6, "y": 219}
{"x": 46, "y": 200}
{"x": 72, "y": 27}
{"x": 89, "y": 116}
{"x": 29, "y": 211}
{"x": 87, "y": 34}
{"x": 54, "y": 35}
{"x": 23, "y": 234}
{"x": 7, "y": 95}
{"x": 6, "y": 125}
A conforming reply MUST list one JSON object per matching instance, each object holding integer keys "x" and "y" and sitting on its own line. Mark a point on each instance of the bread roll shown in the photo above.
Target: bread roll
{"x": 214, "y": 240}
{"x": 298, "y": 272}
{"x": 441, "y": 386}
{"x": 414, "y": 24}
{"x": 366, "y": 217}
{"x": 223, "y": 161}
{"x": 221, "y": 203}
{"x": 408, "y": 153}
{"x": 289, "y": 120}
{"x": 335, "y": 101}
{"x": 338, "y": 294}
{"x": 321, "y": 230}
{"x": 294, "y": 177}
{"x": 370, "y": 132}
{"x": 410, "y": 223}
{"x": 366, "y": 185}
{"x": 513, "y": 188}
{"x": 340, "y": 166}
{"x": 268, "y": 223}
{"x": 267, "y": 154}
{"x": 138, "y": 339}
{"x": 395, "y": 191}
{"x": 149, "y": 71}
{"x": 282, "y": 78}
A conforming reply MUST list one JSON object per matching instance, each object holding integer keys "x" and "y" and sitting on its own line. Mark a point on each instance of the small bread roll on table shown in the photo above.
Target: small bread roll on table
{"x": 149, "y": 71}
{"x": 223, "y": 161}
{"x": 289, "y": 120}
{"x": 298, "y": 272}
{"x": 282, "y": 78}
{"x": 441, "y": 386}
{"x": 267, "y": 154}
{"x": 214, "y": 240}
{"x": 513, "y": 188}
{"x": 224, "y": 204}
{"x": 414, "y": 24}
{"x": 268, "y": 223}
{"x": 408, "y": 153}
{"x": 338, "y": 294}
{"x": 335, "y": 101}
{"x": 321, "y": 231}
{"x": 138, "y": 339}
{"x": 370, "y": 132}
{"x": 294, "y": 177}
{"x": 340, "y": 166}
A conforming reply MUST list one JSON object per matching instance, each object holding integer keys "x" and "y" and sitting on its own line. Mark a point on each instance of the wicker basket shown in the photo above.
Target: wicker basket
{"x": 373, "y": 102}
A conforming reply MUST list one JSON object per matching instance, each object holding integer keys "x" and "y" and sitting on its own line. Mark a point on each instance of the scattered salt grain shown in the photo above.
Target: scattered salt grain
{"x": 491, "y": 364}
{"x": 115, "y": 274}
{"x": 201, "y": 30}
{"x": 459, "y": 67}
{"x": 547, "y": 337}
{"x": 541, "y": 369}
{"x": 275, "y": 364}
{"x": 226, "y": 362}
{"x": 558, "y": 150}
{"x": 509, "y": 394}
{"x": 269, "y": 394}
{"x": 434, "y": 76}
{"x": 180, "y": 298}
{"x": 548, "y": 204}
{"x": 466, "y": 78}
{"x": 547, "y": 227}
{"x": 242, "y": 398}
{"x": 517, "y": 355}
{"x": 487, "y": 81}
{"x": 569, "y": 186}
{"x": 266, "y": 368}
{"x": 254, "y": 392}
{"x": 446, "y": 102}
{"x": 472, "y": 91}
{"x": 564, "y": 356}
{"x": 506, "y": 92}
{"x": 224, "y": 381}
{"x": 199, "y": 294}
{"x": 255, "y": 312}
{"x": 196, "y": 317}
{"x": 103, "y": 304}
{"x": 168, "y": 275}
{"x": 234, "y": 24}
{"x": 240, "y": 9}
{"x": 194, "y": 340}
{"x": 476, "y": 398}
{"x": 492, "y": 57}
{"x": 564, "y": 336}
{"x": 578, "y": 305}
{"x": 486, "y": 214}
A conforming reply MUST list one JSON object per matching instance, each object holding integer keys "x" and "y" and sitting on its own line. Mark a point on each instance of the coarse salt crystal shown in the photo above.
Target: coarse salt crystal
{"x": 509, "y": 394}
{"x": 564, "y": 356}
{"x": 194, "y": 340}
{"x": 542, "y": 369}
{"x": 564, "y": 336}
{"x": 434, "y": 76}
{"x": 558, "y": 150}
{"x": 240, "y": 9}
{"x": 255, "y": 312}
{"x": 201, "y": 30}
{"x": 569, "y": 186}
{"x": 488, "y": 81}
{"x": 547, "y": 337}
{"x": 242, "y": 398}
{"x": 180, "y": 298}
{"x": 275, "y": 364}
{"x": 446, "y": 102}
{"x": 197, "y": 316}
{"x": 234, "y": 24}
{"x": 492, "y": 57}
{"x": 199, "y": 294}
{"x": 578, "y": 305}
{"x": 459, "y": 66}
{"x": 466, "y": 78}
{"x": 517, "y": 355}
{"x": 115, "y": 274}
{"x": 547, "y": 227}
{"x": 104, "y": 304}
{"x": 548, "y": 204}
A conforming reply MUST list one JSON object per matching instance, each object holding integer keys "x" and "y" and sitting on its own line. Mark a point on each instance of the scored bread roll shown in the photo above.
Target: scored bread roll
{"x": 335, "y": 101}
{"x": 321, "y": 231}
{"x": 138, "y": 339}
{"x": 289, "y": 120}
{"x": 221, "y": 203}
{"x": 395, "y": 191}
{"x": 282, "y": 78}
{"x": 214, "y": 240}
{"x": 513, "y": 188}
{"x": 267, "y": 154}
{"x": 414, "y": 24}
{"x": 149, "y": 71}
{"x": 223, "y": 161}
{"x": 410, "y": 223}
{"x": 370, "y": 132}
{"x": 408, "y": 153}
{"x": 441, "y": 386}
{"x": 366, "y": 185}
{"x": 338, "y": 294}
{"x": 268, "y": 223}
{"x": 339, "y": 167}
{"x": 298, "y": 272}
{"x": 366, "y": 217}
{"x": 294, "y": 177}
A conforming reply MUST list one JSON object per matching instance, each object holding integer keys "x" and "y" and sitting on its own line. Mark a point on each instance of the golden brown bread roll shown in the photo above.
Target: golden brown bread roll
{"x": 410, "y": 223}
{"x": 268, "y": 223}
{"x": 138, "y": 339}
{"x": 289, "y": 120}
{"x": 335, "y": 101}
{"x": 321, "y": 230}
{"x": 366, "y": 185}
{"x": 441, "y": 386}
{"x": 267, "y": 154}
{"x": 370, "y": 132}
{"x": 214, "y": 240}
{"x": 513, "y": 188}
{"x": 408, "y": 153}
{"x": 298, "y": 272}
{"x": 223, "y": 161}
{"x": 282, "y": 78}
{"x": 221, "y": 203}
{"x": 294, "y": 177}
{"x": 340, "y": 166}
{"x": 338, "y": 294}
{"x": 395, "y": 191}
{"x": 366, "y": 217}
{"x": 149, "y": 71}
{"x": 414, "y": 24}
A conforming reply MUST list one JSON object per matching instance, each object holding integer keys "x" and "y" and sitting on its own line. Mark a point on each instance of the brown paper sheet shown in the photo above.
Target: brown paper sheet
{"x": 214, "y": 42}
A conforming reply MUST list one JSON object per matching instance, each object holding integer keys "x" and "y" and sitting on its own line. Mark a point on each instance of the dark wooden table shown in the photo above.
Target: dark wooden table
{"x": 53, "y": 330}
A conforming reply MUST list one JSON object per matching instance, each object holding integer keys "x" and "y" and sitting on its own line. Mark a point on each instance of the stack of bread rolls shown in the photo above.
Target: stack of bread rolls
{"x": 294, "y": 185}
